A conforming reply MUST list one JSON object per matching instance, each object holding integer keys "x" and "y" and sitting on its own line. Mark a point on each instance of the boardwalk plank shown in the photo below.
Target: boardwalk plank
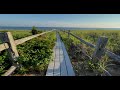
{"x": 57, "y": 68}
{"x": 50, "y": 69}
{"x": 51, "y": 66}
{"x": 68, "y": 63}
{"x": 61, "y": 66}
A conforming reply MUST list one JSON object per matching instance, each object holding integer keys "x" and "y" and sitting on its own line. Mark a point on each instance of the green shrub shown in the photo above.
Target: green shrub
{"x": 4, "y": 62}
{"x": 34, "y": 55}
{"x": 34, "y": 30}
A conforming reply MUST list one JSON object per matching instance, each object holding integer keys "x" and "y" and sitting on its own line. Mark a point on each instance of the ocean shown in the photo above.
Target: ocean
{"x": 50, "y": 28}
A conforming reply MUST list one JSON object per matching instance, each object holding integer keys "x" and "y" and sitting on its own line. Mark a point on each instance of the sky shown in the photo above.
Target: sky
{"x": 61, "y": 20}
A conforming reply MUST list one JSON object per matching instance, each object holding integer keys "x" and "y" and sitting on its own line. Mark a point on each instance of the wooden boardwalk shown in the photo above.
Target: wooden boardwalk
{"x": 61, "y": 65}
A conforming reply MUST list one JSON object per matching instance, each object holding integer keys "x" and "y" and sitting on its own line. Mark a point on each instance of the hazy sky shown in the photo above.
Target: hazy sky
{"x": 61, "y": 20}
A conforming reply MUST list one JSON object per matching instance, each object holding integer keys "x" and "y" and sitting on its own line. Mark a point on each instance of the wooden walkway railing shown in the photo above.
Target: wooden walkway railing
{"x": 10, "y": 44}
{"x": 19, "y": 41}
{"x": 100, "y": 49}
{"x": 112, "y": 55}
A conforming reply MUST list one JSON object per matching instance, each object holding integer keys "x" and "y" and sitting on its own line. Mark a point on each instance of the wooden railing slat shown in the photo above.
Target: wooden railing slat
{"x": 20, "y": 41}
{"x": 10, "y": 71}
{"x": 3, "y": 46}
{"x": 112, "y": 55}
{"x": 83, "y": 41}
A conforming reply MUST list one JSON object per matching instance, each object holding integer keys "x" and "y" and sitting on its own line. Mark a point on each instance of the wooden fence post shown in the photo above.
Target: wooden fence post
{"x": 12, "y": 53}
{"x": 12, "y": 47}
{"x": 100, "y": 47}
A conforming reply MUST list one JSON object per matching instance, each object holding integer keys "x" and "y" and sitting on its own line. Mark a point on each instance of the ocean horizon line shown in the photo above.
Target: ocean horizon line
{"x": 49, "y": 28}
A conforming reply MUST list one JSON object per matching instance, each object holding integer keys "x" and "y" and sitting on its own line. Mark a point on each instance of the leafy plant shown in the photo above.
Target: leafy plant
{"x": 34, "y": 30}
{"x": 35, "y": 54}
{"x": 4, "y": 62}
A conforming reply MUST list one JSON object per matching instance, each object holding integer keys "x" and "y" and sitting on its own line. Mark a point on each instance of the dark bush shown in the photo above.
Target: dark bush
{"x": 34, "y": 30}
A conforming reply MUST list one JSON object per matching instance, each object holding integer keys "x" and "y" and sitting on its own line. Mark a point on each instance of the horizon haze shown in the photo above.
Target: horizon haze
{"x": 61, "y": 20}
